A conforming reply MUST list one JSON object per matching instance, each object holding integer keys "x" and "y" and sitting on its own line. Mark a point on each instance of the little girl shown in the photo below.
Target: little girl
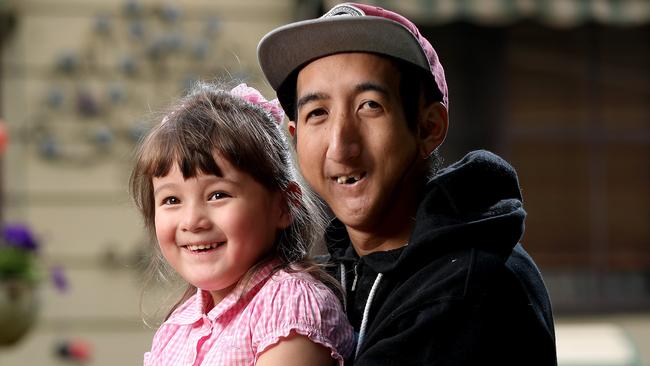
{"x": 216, "y": 186}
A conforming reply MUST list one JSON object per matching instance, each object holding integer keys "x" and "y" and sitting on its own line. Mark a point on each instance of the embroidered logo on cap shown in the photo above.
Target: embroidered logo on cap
{"x": 344, "y": 9}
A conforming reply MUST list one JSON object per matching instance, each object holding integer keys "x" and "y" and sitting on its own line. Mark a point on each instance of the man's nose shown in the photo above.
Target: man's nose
{"x": 345, "y": 138}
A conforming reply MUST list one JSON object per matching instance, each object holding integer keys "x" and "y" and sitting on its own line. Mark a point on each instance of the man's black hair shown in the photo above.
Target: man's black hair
{"x": 414, "y": 82}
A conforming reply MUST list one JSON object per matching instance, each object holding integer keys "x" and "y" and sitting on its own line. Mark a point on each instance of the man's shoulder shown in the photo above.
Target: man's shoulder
{"x": 464, "y": 274}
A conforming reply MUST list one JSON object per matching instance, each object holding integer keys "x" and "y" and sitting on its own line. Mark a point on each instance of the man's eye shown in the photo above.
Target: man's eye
{"x": 170, "y": 201}
{"x": 218, "y": 196}
{"x": 371, "y": 104}
{"x": 316, "y": 113}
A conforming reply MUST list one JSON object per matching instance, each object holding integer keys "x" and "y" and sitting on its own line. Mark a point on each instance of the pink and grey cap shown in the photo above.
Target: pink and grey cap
{"x": 347, "y": 27}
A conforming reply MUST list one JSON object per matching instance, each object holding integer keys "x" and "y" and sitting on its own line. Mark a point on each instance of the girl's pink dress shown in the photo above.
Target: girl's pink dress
{"x": 238, "y": 329}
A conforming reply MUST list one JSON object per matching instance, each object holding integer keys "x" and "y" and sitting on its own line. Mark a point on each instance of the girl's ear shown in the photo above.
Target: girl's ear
{"x": 291, "y": 197}
{"x": 291, "y": 125}
{"x": 432, "y": 128}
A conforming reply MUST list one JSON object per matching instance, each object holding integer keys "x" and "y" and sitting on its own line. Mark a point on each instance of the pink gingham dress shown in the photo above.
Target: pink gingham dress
{"x": 238, "y": 329}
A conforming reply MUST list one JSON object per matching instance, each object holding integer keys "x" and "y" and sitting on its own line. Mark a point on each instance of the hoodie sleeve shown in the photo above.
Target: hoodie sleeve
{"x": 485, "y": 325}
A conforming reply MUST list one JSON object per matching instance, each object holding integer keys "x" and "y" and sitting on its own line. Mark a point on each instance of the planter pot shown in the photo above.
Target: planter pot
{"x": 18, "y": 310}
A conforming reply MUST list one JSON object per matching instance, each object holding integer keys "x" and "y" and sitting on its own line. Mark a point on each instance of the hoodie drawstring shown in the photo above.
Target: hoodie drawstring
{"x": 366, "y": 311}
{"x": 345, "y": 289}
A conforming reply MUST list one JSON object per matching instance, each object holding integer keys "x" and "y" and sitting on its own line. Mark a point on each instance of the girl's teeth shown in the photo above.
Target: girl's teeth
{"x": 202, "y": 246}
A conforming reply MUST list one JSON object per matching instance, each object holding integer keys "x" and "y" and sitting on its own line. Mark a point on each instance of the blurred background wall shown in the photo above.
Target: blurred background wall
{"x": 80, "y": 82}
{"x": 560, "y": 88}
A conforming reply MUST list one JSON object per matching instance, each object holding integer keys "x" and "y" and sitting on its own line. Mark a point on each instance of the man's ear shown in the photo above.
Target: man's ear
{"x": 432, "y": 128}
{"x": 291, "y": 125}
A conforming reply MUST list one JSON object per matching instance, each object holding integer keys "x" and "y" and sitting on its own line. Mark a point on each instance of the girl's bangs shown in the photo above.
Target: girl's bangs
{"x": 192, "y": 157}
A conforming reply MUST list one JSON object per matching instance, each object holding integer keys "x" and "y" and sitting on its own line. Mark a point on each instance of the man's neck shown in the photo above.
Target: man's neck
{"x": 365, "y": 243}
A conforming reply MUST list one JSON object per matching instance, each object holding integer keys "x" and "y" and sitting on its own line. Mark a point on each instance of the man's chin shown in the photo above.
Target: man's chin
{"x": 357, "y": 219}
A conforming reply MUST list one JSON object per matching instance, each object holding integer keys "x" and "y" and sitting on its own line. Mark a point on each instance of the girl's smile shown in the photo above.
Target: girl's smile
{"x": 202, "y": 248}
{"x": 213, "y": 229}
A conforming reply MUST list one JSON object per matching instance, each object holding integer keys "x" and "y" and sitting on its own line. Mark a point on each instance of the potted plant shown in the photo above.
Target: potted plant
{"x": 19, "y": 278}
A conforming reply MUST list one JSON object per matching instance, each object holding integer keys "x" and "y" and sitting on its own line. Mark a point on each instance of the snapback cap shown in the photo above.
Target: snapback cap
{"x": 347, "y": 27}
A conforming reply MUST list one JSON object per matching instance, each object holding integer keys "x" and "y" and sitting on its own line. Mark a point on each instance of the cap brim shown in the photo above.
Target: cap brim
{"x": 292, "y": 46}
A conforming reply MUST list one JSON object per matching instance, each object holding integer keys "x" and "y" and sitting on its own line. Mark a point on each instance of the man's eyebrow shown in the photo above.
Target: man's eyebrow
{"x": 362, "y": 87}
{"x": 310, "y": 98}
{"x": 369, "y": 86}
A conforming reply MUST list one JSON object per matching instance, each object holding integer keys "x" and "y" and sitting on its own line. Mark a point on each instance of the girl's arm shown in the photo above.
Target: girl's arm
{"x": 296, "y": 350}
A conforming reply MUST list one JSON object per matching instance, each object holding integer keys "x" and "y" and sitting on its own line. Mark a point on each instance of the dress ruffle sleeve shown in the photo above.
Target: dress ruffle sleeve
{"x": 296, "y": 303}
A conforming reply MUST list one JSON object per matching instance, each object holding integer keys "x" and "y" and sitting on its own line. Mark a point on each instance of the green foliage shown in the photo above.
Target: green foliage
{"x": 17, "y": 264}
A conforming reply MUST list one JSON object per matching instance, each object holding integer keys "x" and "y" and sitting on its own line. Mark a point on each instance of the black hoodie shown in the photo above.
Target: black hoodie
{"x": 463, "y": 291}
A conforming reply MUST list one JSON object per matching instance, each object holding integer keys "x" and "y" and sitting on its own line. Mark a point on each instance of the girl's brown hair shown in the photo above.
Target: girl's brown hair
{"x": 209, "y": 121}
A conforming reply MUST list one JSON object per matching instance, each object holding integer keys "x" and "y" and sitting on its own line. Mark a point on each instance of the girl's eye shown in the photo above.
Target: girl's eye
{"x": 218, "y": 196}
{"x": 171, "y": 201}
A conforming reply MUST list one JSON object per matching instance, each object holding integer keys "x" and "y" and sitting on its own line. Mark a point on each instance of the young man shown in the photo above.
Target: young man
{"x": 432, "y": 269}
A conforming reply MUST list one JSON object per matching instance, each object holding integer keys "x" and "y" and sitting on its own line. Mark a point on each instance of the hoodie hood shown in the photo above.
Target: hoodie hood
{"x": 475, "y": 202}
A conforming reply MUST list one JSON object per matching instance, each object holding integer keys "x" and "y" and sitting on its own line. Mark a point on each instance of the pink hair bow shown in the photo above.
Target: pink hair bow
{"x": 253, "y": 96}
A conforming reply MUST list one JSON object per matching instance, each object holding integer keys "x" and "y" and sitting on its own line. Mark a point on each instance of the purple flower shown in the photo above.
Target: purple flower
{"x": 19, "y": 236}
{"x": 58, "y": 277}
